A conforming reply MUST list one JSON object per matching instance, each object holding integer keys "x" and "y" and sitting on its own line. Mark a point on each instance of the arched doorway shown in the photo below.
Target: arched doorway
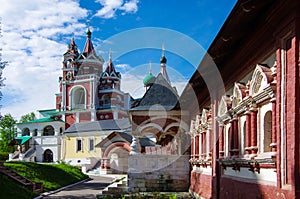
{"x": 48, "y": 156}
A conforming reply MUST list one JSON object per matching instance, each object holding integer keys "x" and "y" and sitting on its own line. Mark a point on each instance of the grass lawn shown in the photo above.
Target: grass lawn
{"x": 9, "y": 189}
{"x": 53, "y": 176}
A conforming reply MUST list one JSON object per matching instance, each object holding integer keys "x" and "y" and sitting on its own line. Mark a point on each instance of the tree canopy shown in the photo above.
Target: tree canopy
{"x": 27, "y": 117}
{"x": 7, "y": 131}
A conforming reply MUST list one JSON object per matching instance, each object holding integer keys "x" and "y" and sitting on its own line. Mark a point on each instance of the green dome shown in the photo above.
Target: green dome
{"x": 149, "y": 80}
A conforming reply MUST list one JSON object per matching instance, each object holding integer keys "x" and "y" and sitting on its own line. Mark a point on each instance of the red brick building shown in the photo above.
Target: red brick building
{"x": 87, "y": 93}
{"x": 245, "y": 127}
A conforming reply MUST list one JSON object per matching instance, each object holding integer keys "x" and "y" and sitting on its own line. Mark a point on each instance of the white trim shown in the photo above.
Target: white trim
{"x": 74, "y": 88}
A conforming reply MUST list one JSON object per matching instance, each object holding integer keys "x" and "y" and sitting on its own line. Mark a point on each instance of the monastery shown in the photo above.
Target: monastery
{"x": 232, "y": 133}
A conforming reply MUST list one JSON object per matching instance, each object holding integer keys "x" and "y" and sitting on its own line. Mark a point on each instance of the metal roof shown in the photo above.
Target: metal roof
{"x": 99, "y": 126}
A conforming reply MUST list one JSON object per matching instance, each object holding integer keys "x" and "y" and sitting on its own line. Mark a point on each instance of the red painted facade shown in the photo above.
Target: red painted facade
{"x": 254, "y": 131}
{"x": 87, "y": 93}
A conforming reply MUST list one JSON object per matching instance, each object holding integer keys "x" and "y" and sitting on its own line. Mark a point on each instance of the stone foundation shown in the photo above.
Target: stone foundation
{"x": 158, "y": 173}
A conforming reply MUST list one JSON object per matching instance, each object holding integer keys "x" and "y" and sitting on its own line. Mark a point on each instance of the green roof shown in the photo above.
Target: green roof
{"x": 50, "y": 112}
{"x": 23, "y": 139}
{"x": 47, "y": 119}
{"x": 149, "y": 80}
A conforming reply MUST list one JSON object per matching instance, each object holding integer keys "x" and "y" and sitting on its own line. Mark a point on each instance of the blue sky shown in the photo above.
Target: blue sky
{"x": 36, "y": 33}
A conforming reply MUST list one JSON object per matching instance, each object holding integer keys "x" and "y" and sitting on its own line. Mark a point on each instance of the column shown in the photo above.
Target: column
{"x": 254, "y": 147}
{"x": 193, "y": 147}
{"x": 210, "y": 142}
{"x": 135, "y": 146}
{"x": 221, "y": 141}
{"x": 248, "y": 134}
{"x": 200, "y": 145}
{"x": 231, "y": 138}
{"x": 39, "y": 132}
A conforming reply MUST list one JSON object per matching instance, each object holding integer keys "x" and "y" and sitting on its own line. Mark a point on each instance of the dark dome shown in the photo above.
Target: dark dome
{"x": 163, "y": 59}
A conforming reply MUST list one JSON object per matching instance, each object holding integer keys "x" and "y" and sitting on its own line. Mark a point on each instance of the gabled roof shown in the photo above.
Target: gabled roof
{"x": 102, "y": 125}
{"x": 160, "y": 95}
{"x": 125, "y": 137}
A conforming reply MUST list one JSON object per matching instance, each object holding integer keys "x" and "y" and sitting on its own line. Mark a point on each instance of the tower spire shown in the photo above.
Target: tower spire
{"x": 109, "y": 55}
{"x": 163, "y": 61}
{"x": 88, "y": 47}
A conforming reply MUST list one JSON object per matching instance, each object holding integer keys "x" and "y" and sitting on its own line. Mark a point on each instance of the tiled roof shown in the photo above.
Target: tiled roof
{"x": 161, "y": 95}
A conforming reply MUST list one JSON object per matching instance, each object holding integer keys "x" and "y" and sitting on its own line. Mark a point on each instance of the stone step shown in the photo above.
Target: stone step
{"x": 22, "y": 180}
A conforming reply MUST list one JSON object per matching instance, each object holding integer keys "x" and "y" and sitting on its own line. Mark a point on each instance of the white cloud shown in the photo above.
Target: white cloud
{"x": 123, "y": 67}
{"x": 133, "y": 84}
{"x": 110, "y": 7}
{"x": 30, "y": 31}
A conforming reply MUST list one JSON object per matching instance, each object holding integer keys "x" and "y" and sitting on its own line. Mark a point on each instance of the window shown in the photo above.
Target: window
{"x": 26, "y": 131}
{"x": 48, "y": 131}
{"x": 267, "y": 131}
{"x": 78, "y": 144}
{"x": 91, "y": 144}
{"x": 78, "y": 98}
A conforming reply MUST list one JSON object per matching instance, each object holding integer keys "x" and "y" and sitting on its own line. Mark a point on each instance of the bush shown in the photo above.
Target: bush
{"x": 3, "y": 156}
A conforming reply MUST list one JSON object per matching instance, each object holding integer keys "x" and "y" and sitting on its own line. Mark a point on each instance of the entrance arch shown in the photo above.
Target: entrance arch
{"x": 48, "y": 156}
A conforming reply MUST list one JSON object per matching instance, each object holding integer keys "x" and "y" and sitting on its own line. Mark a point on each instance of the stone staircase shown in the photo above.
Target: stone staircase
{"x": 117, "y": 188}
{"x": 33, "y": 186}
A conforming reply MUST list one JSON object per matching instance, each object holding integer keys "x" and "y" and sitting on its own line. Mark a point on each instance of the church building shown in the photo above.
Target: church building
{"x": 245, "y": 128}
{"x": 89, "y": 106}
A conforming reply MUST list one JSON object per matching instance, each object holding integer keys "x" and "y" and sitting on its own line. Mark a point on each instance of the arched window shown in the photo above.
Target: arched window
{"x": 78, "y": 98}
{"x": 267, "y": 131}
{"x": 48, "y": 131}
{"x": 25, "y": 131}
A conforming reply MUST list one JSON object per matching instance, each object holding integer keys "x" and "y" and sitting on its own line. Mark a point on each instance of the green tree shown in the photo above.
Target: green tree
{"x": 27, "y": 117}
{"x": 7, "y": 131}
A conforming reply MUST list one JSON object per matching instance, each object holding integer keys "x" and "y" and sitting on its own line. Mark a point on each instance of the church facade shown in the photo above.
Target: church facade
{"x": 245, "y": 132}
{"x": 89, "y": 106}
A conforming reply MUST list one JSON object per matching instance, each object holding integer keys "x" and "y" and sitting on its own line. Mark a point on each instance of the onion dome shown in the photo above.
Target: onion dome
{"x": 88, "y": 33}
{"x": 163, "y": 60}
{"x": 149, "y": 80}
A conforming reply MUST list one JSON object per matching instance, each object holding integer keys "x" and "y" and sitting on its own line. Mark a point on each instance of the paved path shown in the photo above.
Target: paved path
{"x": 85, "y": 190}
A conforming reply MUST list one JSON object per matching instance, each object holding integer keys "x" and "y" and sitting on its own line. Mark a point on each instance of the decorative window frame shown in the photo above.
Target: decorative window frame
{"x": 72, "y": 93}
